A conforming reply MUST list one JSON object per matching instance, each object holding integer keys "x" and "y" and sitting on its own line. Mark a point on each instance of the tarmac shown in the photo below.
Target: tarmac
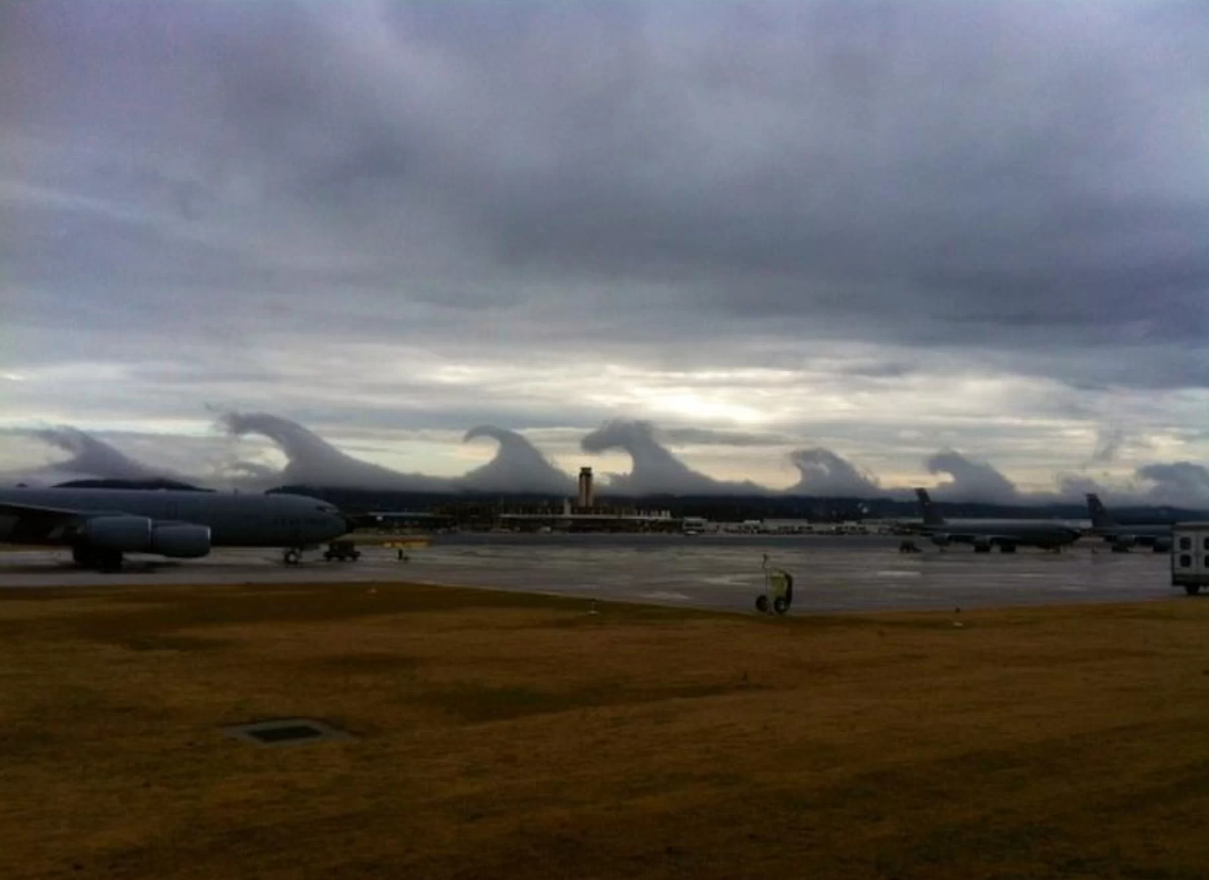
{"x": 831, "y": 574}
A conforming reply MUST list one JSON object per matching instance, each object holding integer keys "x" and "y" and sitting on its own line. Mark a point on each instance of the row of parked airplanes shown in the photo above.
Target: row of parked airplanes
{"x": 1008, "y": 534}
{"x": 102, "y": 525}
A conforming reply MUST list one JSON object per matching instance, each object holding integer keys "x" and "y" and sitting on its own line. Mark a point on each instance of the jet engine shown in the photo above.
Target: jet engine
{"x": 128, "y": 534}
{"x": 138, "y": 534}
{"x": 180, "y": 540}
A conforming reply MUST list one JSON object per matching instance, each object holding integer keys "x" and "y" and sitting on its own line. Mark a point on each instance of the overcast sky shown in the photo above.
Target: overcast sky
{"x": 882, "y": 229}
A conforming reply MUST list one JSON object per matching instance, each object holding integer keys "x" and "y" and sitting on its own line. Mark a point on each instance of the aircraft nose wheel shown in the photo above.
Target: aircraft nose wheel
{"x": 292, "y": 556}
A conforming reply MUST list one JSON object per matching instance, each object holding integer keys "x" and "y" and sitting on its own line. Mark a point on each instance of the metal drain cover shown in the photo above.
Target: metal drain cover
{"x": 286, "y": 732}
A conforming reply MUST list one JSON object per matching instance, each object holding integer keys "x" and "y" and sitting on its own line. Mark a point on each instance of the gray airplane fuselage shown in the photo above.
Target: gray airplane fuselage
{"x": 1125, "y": 535}
{"x": 1156, "y": 536}
{"x": 1041, "y": 533}
{"x": 1007, "y": 534}
{"x": 1140, "y": 530}
{"x": 234, "y": 520}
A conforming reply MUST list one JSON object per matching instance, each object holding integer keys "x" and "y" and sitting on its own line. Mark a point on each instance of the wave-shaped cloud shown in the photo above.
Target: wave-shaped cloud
{"x": 971, "y": 480}
{"x": 824, "y": 473}
{"x": 1179, "y": 483}
{"x": 90, "y": 457}
{"x": 655, "y": 470}
{"x": 312, "y": 461}
{"x": 518, "y": 466}
{"x": 95, "y": 458}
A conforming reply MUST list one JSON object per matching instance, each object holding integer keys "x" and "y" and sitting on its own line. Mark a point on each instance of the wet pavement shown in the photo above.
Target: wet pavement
{"x": 858, "y": 573}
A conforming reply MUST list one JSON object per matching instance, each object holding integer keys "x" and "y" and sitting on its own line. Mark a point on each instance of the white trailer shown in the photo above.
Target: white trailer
{"x": 1190, "y": 556}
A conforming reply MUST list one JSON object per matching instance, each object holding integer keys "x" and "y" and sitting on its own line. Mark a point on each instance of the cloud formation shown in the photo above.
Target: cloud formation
{"x": 654, "y": 470}
{"x": 823, "y": 473}
{"x": 981, "y": 225}
{"x": 1108, "y": 444}
{"x": 970, "y": 480}
{"x": 518, "y": 466}
{"x": 95, "y": 458}
{"x": 692, "y": 436}
{"x": 312, "y": 461}
{"x": 89, "y": 457}
{"x": 1181, "y": 483}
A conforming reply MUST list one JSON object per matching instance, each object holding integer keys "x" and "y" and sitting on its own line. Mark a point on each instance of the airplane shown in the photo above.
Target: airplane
{"x": 1006, "y": 534}
{"x": 100, "y": 525}
{"x": 1157, "y": 536}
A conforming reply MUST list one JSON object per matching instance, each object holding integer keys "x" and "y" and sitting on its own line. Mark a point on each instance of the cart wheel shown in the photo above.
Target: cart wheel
{"x": 762, "y": 604}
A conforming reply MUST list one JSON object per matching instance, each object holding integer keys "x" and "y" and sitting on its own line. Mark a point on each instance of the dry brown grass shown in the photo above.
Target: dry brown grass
{"x": 503, "y": 735}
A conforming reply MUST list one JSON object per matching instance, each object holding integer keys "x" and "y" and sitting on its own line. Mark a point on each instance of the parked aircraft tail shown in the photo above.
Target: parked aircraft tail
{"x": 1100, "y": 517}
{"x": 931, "y": 515}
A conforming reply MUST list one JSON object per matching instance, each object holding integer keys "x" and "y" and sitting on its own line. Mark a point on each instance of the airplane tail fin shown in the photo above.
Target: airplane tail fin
{"x": 1100, "y": 517}
{"x": 931, "y": 515}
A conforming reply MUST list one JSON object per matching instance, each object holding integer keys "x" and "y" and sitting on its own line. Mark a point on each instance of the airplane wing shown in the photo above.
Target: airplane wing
{"x": 101, "y": 535}
{"x": 31, "y": 521}
{"x": 37, "y": 510}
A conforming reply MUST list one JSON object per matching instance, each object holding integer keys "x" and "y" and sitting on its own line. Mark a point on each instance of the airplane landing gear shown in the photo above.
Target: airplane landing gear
{"x": 101, "y": 560}
{"x": 292, "y": 556}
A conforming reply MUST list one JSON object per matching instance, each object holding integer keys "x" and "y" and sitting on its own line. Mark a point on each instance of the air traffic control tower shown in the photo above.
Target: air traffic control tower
{"x": 585, "y": 499}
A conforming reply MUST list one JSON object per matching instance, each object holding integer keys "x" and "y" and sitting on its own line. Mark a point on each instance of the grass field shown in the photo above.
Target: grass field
{"x": 504, "y": 735}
